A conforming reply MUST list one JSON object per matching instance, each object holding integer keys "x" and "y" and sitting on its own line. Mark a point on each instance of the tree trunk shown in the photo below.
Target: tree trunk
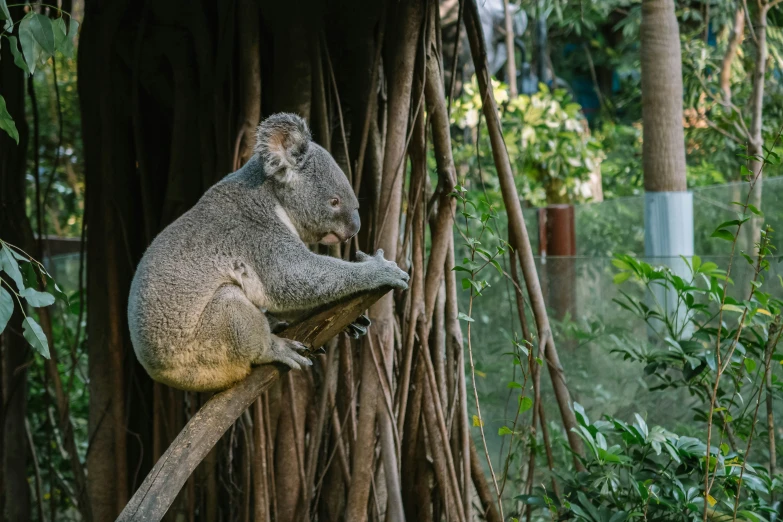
{"x": 735, "y": 40}
{"x": 668, "y": 205}
{"x": 663, "y": 148}
{"x": 405, "y": 34}
{"x": 511, "y": 62}
{"x": 756, "y": 139}
{"x": 15, "y": 227}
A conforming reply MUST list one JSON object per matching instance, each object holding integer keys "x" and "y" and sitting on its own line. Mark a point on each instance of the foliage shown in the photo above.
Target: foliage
{"x": 34, "y": 285}
{"x": 640, "y": 472}
{"x": 60, "y": 174}
{"x": 546, "y": 136}
{"x": 595, "y": 50}
{"x": 37, "y": 39}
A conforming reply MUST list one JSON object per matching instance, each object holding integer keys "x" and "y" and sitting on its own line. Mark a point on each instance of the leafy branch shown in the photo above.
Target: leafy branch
{"x": 27, "y": 275}
{"x": 38, "y": 38}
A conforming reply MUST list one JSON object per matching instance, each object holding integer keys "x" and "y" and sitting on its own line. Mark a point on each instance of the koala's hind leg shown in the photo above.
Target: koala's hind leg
{"x": 241, "y": 331}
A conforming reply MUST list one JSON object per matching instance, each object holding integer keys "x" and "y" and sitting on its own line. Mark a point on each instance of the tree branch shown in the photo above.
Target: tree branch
{"x": 202, "y": 432}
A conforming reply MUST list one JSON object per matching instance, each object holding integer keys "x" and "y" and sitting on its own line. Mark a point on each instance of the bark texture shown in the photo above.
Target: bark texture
{"x": 15, "y": 227}
{"x": 663, "y": 148}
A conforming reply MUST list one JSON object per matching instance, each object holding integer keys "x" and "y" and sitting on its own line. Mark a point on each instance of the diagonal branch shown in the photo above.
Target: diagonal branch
{"x": 202, "y": 432}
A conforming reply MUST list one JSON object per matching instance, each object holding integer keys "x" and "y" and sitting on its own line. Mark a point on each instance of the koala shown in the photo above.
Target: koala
{"x": 198, "y": 297}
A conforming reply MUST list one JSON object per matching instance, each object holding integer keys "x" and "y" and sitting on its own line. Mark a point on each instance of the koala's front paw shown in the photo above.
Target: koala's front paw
{"x": 289, "y": 353}
{"x": 389, "y": 274}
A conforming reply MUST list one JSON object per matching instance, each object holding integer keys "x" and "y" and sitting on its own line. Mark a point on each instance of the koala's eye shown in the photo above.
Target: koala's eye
{"x": 335, "y": 202}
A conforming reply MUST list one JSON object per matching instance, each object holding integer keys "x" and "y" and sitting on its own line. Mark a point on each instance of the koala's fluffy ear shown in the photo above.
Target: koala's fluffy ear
{"x": 281, "y": 142}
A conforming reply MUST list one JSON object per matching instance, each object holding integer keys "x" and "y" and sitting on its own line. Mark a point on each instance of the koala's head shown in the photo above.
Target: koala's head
{"x": 309, "y": 185}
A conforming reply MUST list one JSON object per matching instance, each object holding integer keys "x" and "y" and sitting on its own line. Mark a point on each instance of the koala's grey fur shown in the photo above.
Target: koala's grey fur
{"x": 197, "y": 301}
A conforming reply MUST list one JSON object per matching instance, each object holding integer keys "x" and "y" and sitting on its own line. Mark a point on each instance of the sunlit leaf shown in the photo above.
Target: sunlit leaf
{"x": 621, "y": 277}
{"x": 505, "y": 430}
{"x": 477, "y": 423}
{"x": 733, "y": 308}
{"x": 464, "y": 317}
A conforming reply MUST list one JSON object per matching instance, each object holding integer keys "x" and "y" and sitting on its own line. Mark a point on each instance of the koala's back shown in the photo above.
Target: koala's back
{"x": 179, "y": 274}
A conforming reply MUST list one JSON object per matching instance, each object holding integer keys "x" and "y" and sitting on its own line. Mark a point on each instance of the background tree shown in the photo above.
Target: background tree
{"x": 389, "y": 426}
{"x": 16, "y": 230}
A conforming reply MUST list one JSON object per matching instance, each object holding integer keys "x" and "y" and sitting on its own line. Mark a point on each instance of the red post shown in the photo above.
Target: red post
{"x": 557, "y": 248}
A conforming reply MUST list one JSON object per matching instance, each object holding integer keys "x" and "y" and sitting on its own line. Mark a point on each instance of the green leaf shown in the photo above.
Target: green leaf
{"x": 37, "y": 299}
{"x": 732, "y": 223}
{"x": 29, "y": 275}
{"x": 525, "y": 403}
{"x": 642, "y": 425}
{"x": 6, "y": 306}
{"x": 750, "y": 365}
{"x": 621, "y": 277}
{"x": 41, "y": 26}
{"x": 514, "y": 384}
{"x": 9, "y": 265}
{"x": 505, "y": 430}
{"x": 7, "y": 122}
{"x": 17, "y": 54}
{"x": 35, "y": 336}
{"x": 31, "y": 49}
{"x": 464, "y": 317}
{"x": 733, "y": 308}
{"x": 59, "y": 29}
{"x": 755, "y": 210}
{"x": 5, "y": 14}
{"x": 67, "y": 47}
{"x": 723, "y": 234}
{"x": 55, "y": 290}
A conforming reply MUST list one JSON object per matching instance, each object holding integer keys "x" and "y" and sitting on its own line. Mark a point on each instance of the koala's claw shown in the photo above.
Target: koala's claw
{"x": 276, "y": 325}
{"x": 358, "y": 328}
{"x": 289, "y": 353}
{"x": 279, "y": 326}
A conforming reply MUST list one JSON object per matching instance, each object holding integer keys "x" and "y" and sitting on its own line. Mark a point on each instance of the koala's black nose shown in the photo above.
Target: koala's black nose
{"x": 356, "y": 223}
